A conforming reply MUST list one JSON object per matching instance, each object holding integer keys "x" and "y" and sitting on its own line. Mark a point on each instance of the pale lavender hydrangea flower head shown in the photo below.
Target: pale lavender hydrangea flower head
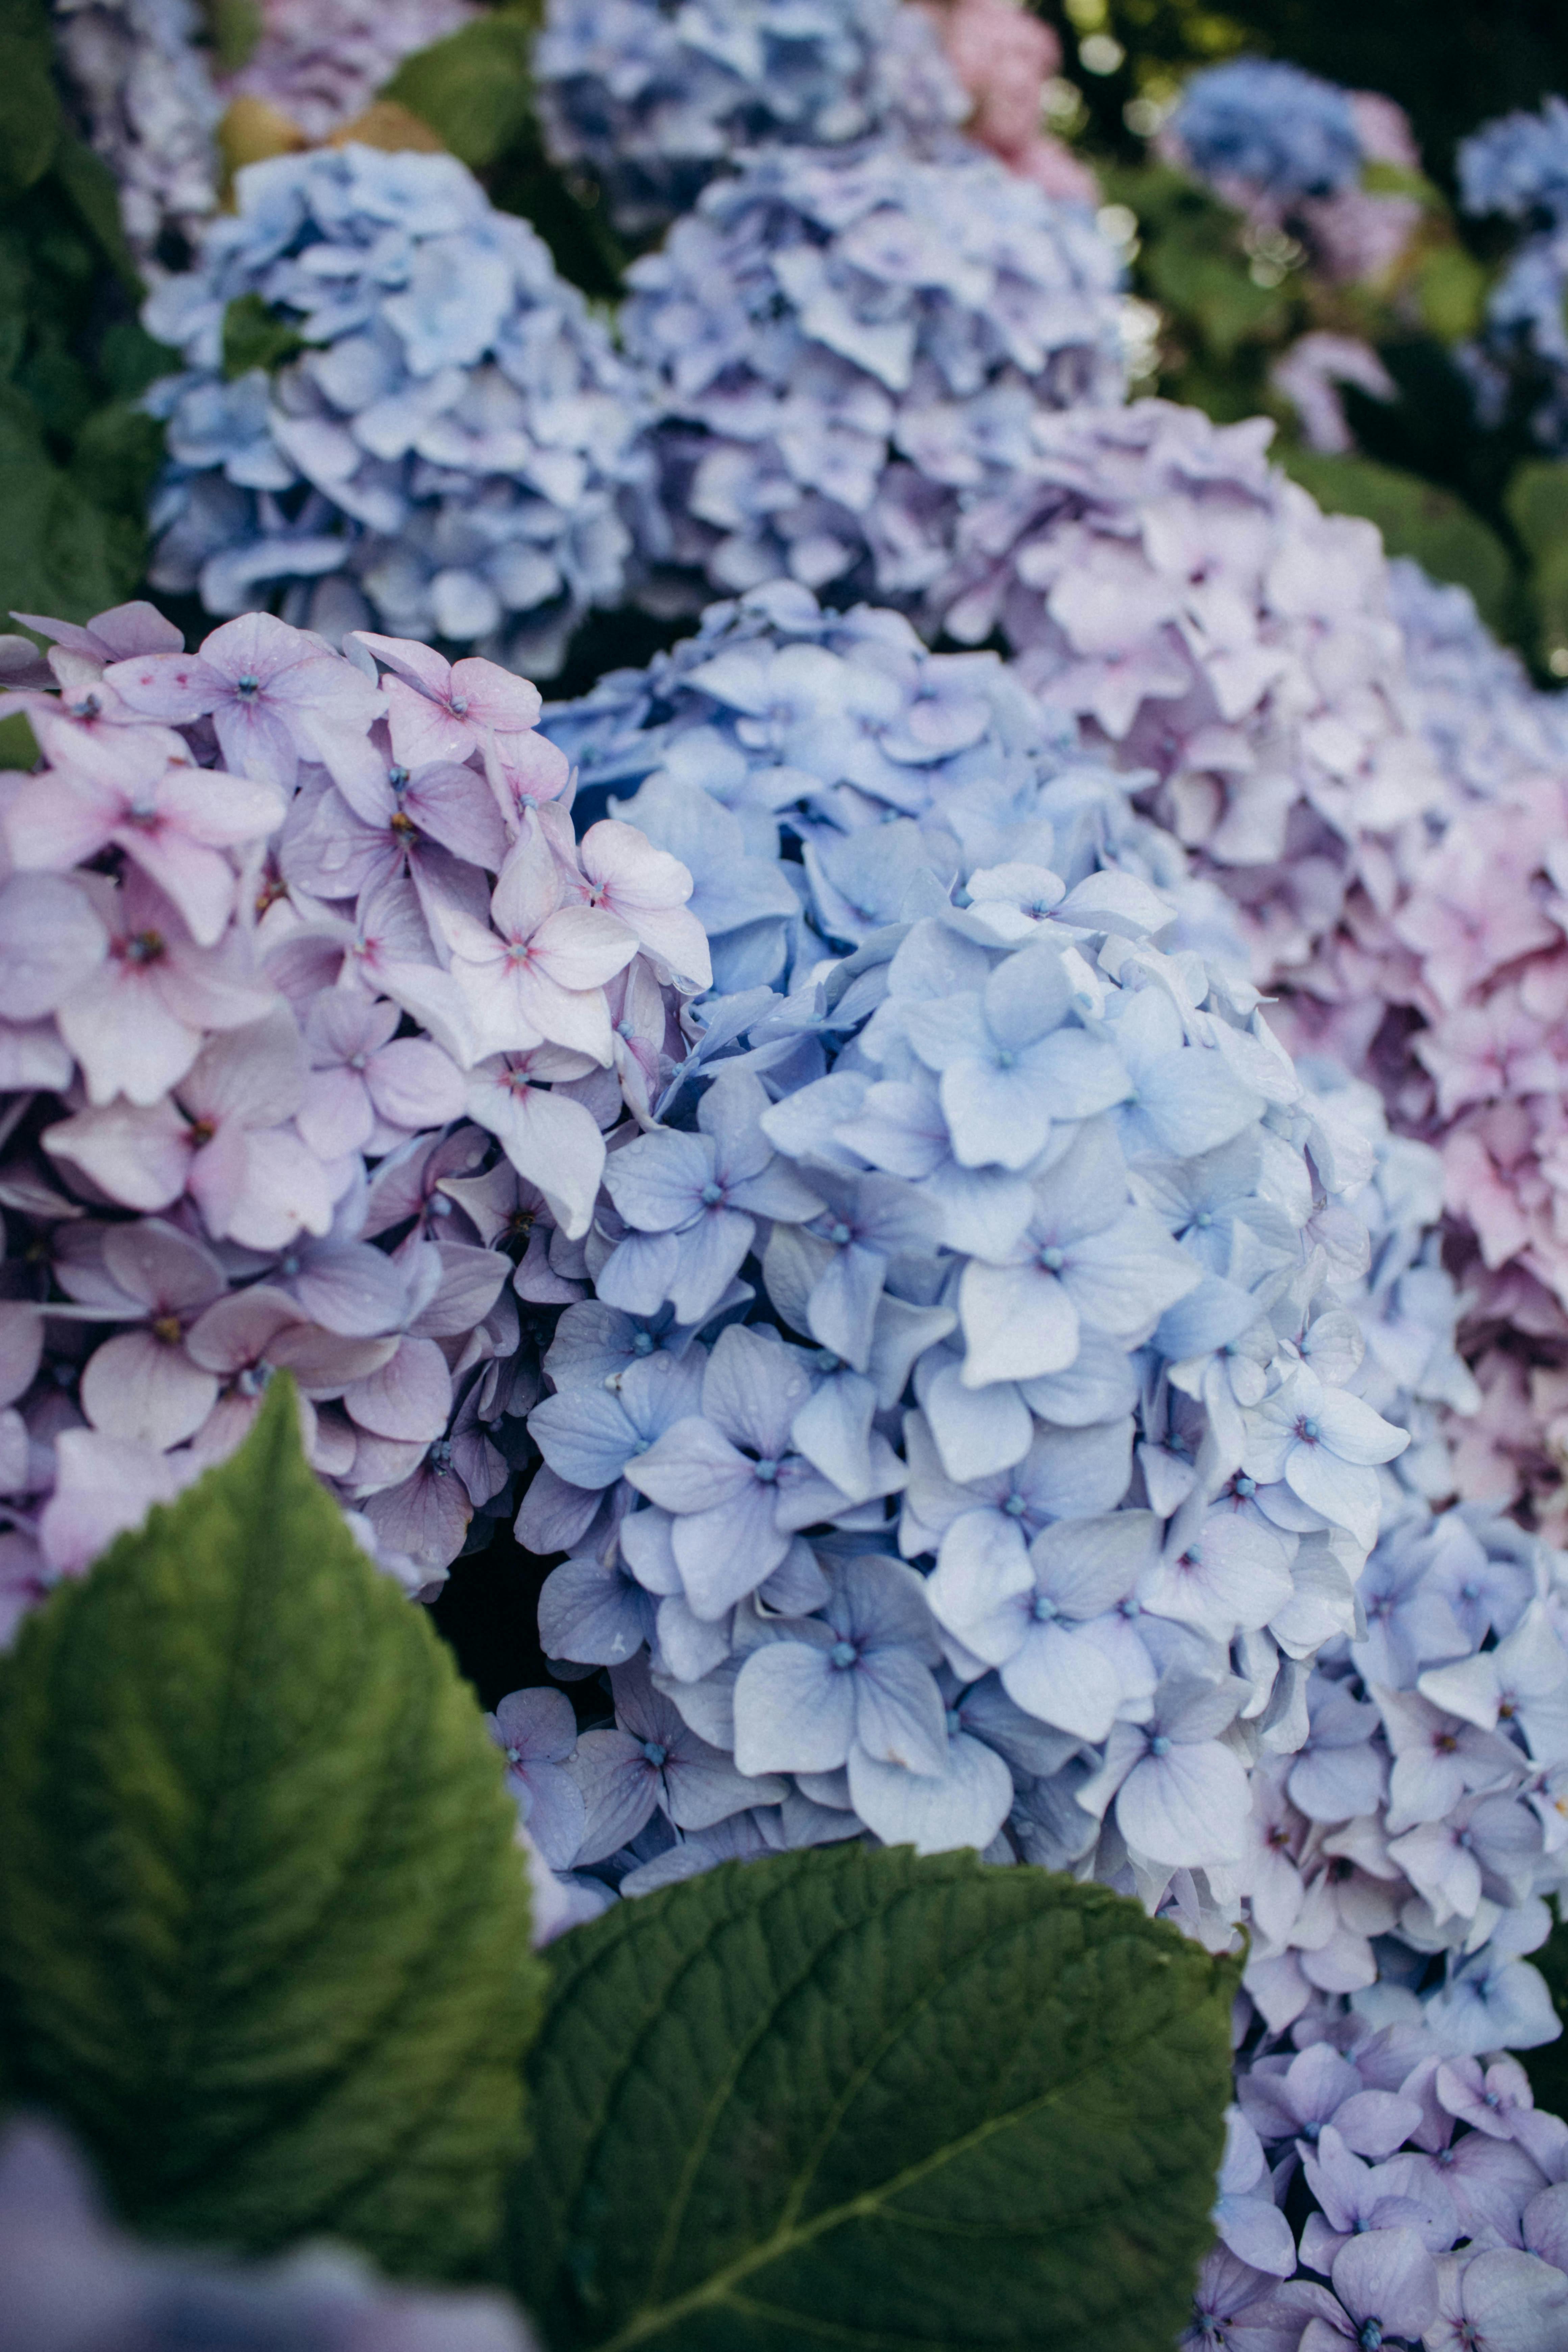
{"x": 845, "y": 350}
{"x": 654, "y": 102}
{"x": 449, "y": 455}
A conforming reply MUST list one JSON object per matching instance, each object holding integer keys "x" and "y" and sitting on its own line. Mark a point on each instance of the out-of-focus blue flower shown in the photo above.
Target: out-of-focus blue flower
{"x": 1518, "y": 165}
{"x": 654, "y": 100}
{"x": 447, "y": 459}
{"x": 139, "y": 73}
{"x": 844, "y": 348}
{"x": 1269, "y": 127}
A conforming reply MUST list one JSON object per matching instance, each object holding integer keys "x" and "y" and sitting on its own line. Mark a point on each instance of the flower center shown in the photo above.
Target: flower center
{"x": 842, "y": 1655}
{"x": 1159, "y": 1745}
{"x": 1309, "y": 1430}
{"x": 767, "y": 1470}
{"x": 655, "y": 1755}
{"x": 840, "y": 1234}
{"x": 246, "y": 686}
{"x": 167, "y": 1329}
{"x": 1052, "y": 1258}
{"x": 145, "y": 946}
{"x": 711, "y": 1195}
{"x": 643, "y": 1343}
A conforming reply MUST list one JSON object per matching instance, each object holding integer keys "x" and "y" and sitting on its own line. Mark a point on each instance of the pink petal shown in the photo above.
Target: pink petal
{"x": 413, "y": 1085}
{"x": 21, "y": 1347}
{"x": 137, "y": 1157}
{"x": 175, "y": 687}
{"x": 49, "y": 940}
{"x": 411, "y": 1397}
{"x": 103, "y": 1487}
{"x": 236, "y": 1330}
{"x": 145, "y": 1391}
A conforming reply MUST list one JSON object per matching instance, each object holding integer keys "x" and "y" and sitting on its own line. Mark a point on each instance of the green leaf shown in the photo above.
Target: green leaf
{"x": 263, "y": 1926}
{"x": 475, "y": 89}
{"x": 1537, "y": 503}
{"x": 1548, "y": 2066}
{"x": 860, "y": 2099}
{"x": 90, "y": 185}
{"x": 59, "y": 552}
{"x": 19, "y": 744}
{"x": 29, "y": 111}
{"x": 1382, "y": 178}
{"x": 1451, "y": 290}
{"x": 254, "y": 336}
{"x": 234, "y": 27}
{"x": 1444, "y": 536}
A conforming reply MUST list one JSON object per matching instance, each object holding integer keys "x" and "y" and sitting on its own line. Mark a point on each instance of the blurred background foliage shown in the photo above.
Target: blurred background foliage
{"x": 1221, "y": 299}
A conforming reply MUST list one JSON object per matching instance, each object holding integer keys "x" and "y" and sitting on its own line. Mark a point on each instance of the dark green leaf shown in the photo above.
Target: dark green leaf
{"x": 234, "y": 27}
{"x": 1537, "y": 503}
{"x": 253, "y": 336}
{"x": 474, "y": 88}
{"x": 90, "y": 185}
{"x": 59, "y": 553}
{"x": 1548, "y": 2066}
{"x": 263, "y": 1928}
{"x": 1445, "y": 537}
{"x": 857, "y": 2098}
{"x": 19, "y": 744}
{"x": 29, "y": 111}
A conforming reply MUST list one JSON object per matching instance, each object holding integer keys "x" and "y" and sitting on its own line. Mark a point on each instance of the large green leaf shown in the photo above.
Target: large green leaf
{"x": 857, "y": 2098}
{"x": 263, "y": 1929}
{"x": 474, "y": 88}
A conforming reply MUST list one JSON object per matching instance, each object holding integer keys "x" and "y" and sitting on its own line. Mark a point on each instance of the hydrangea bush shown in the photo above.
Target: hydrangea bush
{"x": 654, "y": 102}
{"x": 446, "y": 455}
{"x": 845, "y": 352}
{"x": 287, "y": 950}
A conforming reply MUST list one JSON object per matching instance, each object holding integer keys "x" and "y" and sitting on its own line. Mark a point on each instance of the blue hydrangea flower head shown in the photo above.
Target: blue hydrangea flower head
{"x": 1271, "y": 127}
{"x": 446, "y": 457}
{"x": 844, "y": 348}
{"x": 655, "y": 99}
{"x": 1518, "y": 165}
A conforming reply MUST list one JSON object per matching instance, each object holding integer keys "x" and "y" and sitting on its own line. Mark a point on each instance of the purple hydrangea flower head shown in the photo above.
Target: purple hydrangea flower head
{"x": 261, "y": 1068}
{"x": 458, "y": 432}
{"x": 844, "y": 350}
{"x": 1261, "y": 125}
{"x": 655, "y": 103}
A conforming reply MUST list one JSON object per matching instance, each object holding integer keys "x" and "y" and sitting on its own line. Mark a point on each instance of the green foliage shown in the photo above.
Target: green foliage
{"x": 1548, "y": 2066}
{"x": 1416, "y": 519}
{"x": 1537, "y": 503}
{"x": 263, "y": 1926}
{"x": 862, "y": 2098}
{"x": 475, "y": 90}
{"x": 1221, "y": 325}
{"x": 77, "y": 460}
{"x": 253, "y": 336}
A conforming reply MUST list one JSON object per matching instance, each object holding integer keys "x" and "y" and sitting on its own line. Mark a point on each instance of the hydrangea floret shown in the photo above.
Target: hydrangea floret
{"x": 845, "y": 352}
{"x": 448, "y": 454}
{"x": 654, "y": 102}
{"x": 287, "y": 945}
{"x": 1261, "y": 127}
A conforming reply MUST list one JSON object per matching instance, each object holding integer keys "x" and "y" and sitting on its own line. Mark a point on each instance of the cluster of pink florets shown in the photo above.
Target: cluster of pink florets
{"x": 288, "y": 948}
